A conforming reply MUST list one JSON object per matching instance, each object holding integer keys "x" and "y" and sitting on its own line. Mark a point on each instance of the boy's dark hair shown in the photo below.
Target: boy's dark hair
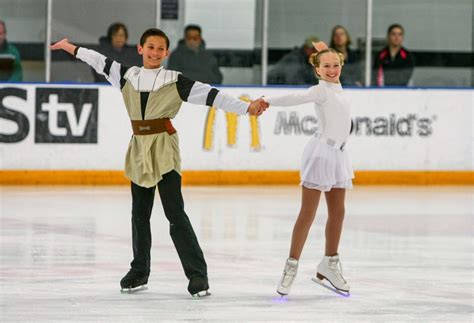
{"x": 192, "y": 27}
{"x": 114, "y": 28}
{"x": 393, "y": 26}
{"x": 154, "y": 32}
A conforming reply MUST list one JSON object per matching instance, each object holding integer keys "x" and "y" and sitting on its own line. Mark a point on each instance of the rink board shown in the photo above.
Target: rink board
{"x": 399, "y": 136}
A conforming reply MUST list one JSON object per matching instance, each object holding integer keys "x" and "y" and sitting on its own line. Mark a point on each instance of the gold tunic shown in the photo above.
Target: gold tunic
{"x": 150, "y": 156}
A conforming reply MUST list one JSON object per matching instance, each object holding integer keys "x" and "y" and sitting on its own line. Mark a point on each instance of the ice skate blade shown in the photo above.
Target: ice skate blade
{"x": 331, "y": 287}
{"x": 134, "y": 290}
{"x": 201, "y": 294}
{"x": 281, "y": 294}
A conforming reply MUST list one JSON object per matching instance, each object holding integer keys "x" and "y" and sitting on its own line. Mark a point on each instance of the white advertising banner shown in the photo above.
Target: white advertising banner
{"x": 57, "y": 126}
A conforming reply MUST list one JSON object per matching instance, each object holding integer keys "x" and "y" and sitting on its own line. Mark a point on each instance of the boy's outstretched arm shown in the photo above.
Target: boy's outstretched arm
{"x": 65, "y": 45}
{"x": 112, "y": 70}
{"x": 203, "y": 94}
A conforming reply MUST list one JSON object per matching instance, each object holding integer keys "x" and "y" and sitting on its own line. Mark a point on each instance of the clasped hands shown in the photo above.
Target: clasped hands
{"x": 257, "y": 107}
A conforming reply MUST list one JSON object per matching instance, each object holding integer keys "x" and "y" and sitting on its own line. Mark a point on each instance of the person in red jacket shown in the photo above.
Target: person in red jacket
{"x": 393, "y": 64}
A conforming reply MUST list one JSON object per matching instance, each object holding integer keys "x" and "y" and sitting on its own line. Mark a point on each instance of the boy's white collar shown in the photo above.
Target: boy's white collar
{"x": 152, "y": 69}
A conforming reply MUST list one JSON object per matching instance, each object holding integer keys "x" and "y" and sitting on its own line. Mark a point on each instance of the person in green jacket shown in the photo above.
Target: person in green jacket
{"x": 8, "y": 73}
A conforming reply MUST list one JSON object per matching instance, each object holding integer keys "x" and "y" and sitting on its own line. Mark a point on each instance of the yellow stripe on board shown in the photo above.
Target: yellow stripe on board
{"x": 232, "y": 120}
{"x": 209, "y": 129}
{"x": 104, "y": 177}
{"x": 254, "y": 134}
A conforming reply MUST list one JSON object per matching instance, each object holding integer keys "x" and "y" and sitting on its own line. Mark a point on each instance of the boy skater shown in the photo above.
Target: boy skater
{"x": 153, "y": 96}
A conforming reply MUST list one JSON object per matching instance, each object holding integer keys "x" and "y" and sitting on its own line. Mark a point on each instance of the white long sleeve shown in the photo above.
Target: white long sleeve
{"x": 230, "y": 104}
{"x": 102, "y": 65}
{"x": 203, "y": 94}
{"x": 315, "y": 94}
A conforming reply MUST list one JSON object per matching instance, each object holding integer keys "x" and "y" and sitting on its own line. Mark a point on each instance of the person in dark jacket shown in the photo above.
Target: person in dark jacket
{"x": 352, "y": 72}
{"x": 294, "y": 68}
{"x": 394, "y": 64}
{"x": 193, "y": 59}
{"x": 114, "y": 46}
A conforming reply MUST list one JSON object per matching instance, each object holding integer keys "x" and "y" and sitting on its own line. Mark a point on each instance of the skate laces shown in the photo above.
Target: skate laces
{"x": 336, "y": 267}
{"x": 288, "y": 274}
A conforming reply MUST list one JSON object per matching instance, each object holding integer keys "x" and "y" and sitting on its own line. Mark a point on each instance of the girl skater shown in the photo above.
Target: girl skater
{"x": 325, "y": 167}
{"x": 153, "y": 97}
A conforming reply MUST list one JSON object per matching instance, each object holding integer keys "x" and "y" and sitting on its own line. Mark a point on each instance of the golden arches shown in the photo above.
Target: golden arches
{"x": 232, "y": 126}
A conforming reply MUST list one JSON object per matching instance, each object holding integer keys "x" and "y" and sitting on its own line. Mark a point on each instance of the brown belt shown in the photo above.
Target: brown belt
{"x": 151, "y": 127}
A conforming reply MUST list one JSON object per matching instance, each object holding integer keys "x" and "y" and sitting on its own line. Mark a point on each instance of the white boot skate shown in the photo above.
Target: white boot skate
{"x": 330, "y": 269}
{"x": 289, "y": 273}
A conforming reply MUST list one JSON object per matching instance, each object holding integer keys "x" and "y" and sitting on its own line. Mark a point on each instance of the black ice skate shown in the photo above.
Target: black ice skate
{"x": 198, "y": 287}
{"x": 133, "y": 282}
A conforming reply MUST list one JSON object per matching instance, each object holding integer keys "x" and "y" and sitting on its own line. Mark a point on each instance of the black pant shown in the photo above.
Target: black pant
{"x": 181, "y": 231}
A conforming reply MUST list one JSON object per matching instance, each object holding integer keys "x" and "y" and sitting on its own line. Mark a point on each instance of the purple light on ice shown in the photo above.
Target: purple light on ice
{"x": 280, "y": 299}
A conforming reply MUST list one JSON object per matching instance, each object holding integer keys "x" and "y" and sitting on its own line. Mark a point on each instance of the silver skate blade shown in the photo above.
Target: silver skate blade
{"x": 330, "y": 287}
{"x": 201, "y": 294}
{"x": 134, "y": 290}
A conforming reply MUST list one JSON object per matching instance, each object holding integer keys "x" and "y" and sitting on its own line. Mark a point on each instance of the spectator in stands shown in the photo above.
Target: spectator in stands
{"x": 294, "y": 68}
{"x": 341, "y": 41}
{"x": 193, "y": 59}
{"x": 10, "y": 62}
{"x": 114, "y": 46}
{"x": 393, "y": 64}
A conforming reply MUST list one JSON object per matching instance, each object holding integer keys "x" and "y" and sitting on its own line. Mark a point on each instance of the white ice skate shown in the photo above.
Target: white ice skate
{"x": 330, "y": 269}
{"x": 289, "y": 273}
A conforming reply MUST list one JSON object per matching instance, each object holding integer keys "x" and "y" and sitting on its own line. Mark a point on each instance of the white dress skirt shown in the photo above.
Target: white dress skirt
{"x": 325, "y": 167}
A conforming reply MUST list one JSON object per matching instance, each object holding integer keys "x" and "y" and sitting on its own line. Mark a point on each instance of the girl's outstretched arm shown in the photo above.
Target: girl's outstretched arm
{"x": 315, "y": 94}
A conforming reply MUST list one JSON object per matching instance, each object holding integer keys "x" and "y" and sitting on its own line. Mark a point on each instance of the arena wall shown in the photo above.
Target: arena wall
{"x": 78, "y": 134}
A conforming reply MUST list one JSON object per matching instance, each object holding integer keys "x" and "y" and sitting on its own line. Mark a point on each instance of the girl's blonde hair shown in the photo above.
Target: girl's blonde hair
{"x": 315, "y": 59}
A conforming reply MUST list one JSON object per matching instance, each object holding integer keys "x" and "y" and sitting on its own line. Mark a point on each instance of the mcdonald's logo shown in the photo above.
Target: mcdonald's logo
{"x": 232, "y": 122}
